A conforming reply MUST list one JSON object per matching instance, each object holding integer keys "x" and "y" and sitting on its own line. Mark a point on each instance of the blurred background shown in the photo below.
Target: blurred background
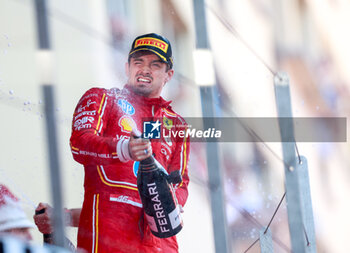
{"x": 250, "y": 40}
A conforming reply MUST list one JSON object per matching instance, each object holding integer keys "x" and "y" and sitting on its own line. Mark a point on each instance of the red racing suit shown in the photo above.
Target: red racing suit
{"x": 112, "y": 216}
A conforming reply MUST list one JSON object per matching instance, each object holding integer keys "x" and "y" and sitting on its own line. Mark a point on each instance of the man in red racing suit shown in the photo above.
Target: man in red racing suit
{"x": 104, "y": 123}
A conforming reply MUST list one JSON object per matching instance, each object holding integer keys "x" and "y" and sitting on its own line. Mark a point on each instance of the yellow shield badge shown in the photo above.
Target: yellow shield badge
{"x": 168, "y": 123}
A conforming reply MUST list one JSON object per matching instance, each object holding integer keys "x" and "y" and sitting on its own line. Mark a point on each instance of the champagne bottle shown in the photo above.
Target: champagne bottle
{"x": 159, "y": 201}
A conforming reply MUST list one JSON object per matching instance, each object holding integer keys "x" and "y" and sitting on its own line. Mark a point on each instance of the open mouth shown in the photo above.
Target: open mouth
{"x": 145, "y": 80}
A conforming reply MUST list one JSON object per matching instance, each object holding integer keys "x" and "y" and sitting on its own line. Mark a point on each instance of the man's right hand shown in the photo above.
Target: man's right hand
{"x": 43, "y": 220}
{"x": 139, "y": 148}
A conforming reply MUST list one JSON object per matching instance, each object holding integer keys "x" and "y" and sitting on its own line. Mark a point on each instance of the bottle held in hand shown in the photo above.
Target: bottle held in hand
{"x": 159, "y": 201}
{"x": 47, "y": 238}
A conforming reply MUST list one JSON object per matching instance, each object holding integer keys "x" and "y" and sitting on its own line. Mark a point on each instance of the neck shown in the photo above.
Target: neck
{"x": 139, "y": 93}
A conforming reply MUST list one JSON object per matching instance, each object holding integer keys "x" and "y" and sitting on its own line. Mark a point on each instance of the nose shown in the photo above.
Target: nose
{"x": 146, "y": 69}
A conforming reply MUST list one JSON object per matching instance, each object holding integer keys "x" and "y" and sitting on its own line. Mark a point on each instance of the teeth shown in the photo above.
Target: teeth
{"x": 143, "y": 80}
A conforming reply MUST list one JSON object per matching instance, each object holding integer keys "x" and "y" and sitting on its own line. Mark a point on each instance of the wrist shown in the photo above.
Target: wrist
{"x": 67, "y": 217}
{"x": 123, "y": 150}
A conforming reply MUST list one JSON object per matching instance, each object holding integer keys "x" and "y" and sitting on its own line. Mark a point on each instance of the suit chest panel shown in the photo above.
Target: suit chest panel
{"x": 125, "y": 116}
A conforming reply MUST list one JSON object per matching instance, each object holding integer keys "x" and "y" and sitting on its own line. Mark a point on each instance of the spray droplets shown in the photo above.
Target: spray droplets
{"x": 253, "y": 233}
{"x": 8, "y": 44}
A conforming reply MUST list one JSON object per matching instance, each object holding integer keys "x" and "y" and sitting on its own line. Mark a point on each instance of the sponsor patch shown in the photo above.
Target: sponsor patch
{"x": 135, "y": 167}
{"x": 82, "y": 152}
{"x": 88, "y": 103}
{"x": 126, "y": 107}
{"x": 125, "y": 199}
{"x": 166, "y": 147}
{"x": 86, "y": 113}
{"x": 83, "y": 122}
{"x": 152, "y": 42}
{"x": 89, "y": 96}
{"x": 121, "y": 137}
{"x": 127, "y": 124}
{"x": 85, "y": 126}
{"x": 168, "y": 123}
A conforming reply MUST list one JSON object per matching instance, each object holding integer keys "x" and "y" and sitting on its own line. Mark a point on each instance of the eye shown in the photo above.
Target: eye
{"x": 156, "y": 65}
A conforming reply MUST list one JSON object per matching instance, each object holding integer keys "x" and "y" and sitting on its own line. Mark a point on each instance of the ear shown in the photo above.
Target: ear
{"x": 127, "y": 72}
{"x": 170, "y": 74}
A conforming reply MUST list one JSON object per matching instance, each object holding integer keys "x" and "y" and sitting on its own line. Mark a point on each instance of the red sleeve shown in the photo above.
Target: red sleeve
{"x": 88, "y": 145}
{"x": 179, "y": 161}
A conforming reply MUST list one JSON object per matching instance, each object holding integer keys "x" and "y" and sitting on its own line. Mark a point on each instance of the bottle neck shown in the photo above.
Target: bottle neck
{"x": 148, "y": 161}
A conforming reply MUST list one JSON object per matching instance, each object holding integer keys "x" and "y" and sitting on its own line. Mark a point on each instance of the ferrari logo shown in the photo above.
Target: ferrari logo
{"x": 168, "y": 123}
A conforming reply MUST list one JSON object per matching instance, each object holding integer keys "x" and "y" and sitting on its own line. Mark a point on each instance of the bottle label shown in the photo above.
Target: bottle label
{"x": 151, "y": 223}
{"x": 158, "y": 208}
{"x": 175, "y": 217}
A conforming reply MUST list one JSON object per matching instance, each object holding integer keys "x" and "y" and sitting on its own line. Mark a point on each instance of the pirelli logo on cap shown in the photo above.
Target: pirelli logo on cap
{"x": 148, "y": 41}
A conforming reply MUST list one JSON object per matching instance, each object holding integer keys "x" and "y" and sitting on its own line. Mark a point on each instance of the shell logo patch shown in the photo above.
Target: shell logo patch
{"x": 127, "y": 124}
{"x": 168, "y": 123}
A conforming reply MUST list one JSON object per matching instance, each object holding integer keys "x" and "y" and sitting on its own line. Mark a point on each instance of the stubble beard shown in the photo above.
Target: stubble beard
{"x": 143, "y": 91}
